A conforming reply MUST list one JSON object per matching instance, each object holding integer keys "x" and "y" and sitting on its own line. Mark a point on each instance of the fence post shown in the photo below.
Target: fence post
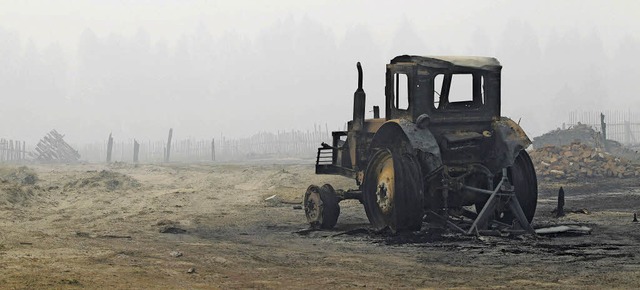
{"x": 213, "y": 149}
{"x": 603, "y": 126}
{"x": 109, "y": 148}
{"x": 631, "y": 139}
{"x": 136, "y": 150}
{"x": 168, "y": 150}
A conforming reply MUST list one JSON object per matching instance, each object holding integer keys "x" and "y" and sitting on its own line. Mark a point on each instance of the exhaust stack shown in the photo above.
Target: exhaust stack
{"x": 359, "y": 98}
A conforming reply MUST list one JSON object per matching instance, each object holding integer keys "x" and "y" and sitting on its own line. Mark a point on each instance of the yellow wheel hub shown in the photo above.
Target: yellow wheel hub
{"x": 385, "y": 188}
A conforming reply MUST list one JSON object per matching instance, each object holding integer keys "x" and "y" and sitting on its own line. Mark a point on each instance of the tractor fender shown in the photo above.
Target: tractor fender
{"x": 404, "y": 135}
{"x": 510, "y": 141}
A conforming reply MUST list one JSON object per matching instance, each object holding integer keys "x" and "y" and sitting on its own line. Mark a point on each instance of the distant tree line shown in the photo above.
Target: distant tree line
{"x": 296, "y": 70}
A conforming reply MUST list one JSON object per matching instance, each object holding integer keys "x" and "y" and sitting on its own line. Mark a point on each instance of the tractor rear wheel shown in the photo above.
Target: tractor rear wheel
{"x": 393, "y": 191}
{"x": 321, "y": 206}
{"x": 522, "y": 176}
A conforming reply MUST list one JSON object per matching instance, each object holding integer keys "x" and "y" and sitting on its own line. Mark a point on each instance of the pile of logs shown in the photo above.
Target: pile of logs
{"x": 578, "y": 160}
{"x": 53, "y": 149}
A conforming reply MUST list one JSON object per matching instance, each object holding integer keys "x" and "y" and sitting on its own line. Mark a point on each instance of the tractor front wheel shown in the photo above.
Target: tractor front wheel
{"x": 321, "y": 206}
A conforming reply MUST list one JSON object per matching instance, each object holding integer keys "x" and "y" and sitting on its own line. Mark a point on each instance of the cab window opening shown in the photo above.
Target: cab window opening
{"x": 458, "y": 91}
{"x": 401, "y": 85}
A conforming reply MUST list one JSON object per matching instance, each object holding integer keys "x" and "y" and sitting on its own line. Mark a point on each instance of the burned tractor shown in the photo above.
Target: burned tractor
{"x": 438, "y": 155}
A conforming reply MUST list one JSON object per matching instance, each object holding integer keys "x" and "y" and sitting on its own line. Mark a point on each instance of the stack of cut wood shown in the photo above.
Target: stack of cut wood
{"x": 53, "y": 149}
{"x": 580, "y": 161}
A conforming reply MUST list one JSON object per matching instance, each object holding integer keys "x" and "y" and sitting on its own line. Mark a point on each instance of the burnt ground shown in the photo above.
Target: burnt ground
{"x": 209, "y": 226}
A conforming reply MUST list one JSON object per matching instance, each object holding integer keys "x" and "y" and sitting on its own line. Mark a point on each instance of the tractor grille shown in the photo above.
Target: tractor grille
{"x": 325, "y": 156}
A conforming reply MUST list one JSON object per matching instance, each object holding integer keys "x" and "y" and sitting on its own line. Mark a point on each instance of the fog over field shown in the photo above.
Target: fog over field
{"x": 235, "y": 68}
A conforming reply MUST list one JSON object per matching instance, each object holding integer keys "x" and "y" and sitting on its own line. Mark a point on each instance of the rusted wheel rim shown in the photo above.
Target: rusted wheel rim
{"x": 313, "y": 205}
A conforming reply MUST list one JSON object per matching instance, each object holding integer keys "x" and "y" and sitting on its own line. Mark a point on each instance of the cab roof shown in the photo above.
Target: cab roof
{"x": 452, "y": 62}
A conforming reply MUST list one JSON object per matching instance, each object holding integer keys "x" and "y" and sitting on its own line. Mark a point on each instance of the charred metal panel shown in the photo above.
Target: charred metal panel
{"x": 373, "y": 125}
{"x": 510, "y": 140}
{"x": 452, "y": 62}
{"x": 465, "y": 142}
{"x": 406, "y": 136}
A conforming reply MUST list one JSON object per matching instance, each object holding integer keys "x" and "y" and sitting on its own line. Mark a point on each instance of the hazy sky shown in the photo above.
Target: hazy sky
{"x": 55, "y": 29}
{"x": 63, "y": 21}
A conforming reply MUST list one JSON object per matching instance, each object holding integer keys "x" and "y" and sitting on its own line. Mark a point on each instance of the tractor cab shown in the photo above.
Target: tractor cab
{"x": 455, "y": 98}
{"x": 447, "y": 89}
{"x": 454, "y": 101}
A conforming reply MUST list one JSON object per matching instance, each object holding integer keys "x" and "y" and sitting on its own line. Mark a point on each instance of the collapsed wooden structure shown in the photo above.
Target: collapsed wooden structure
{"x": 53, "y": 149}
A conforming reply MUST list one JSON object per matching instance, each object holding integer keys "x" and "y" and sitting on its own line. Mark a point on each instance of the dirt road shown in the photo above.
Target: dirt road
{"x": 209, "y": 226}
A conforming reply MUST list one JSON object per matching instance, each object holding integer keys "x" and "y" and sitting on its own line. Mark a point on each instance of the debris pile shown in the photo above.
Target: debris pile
{"x": 619, "y": 150}
{"x": 104, "y": 179}
{"x": 17, "y": 185}
{"x": 53, "y": 149}
{"x": 21, "y": 175}
{"x": 578, "y": 133}
{"x": 579, "y": 160}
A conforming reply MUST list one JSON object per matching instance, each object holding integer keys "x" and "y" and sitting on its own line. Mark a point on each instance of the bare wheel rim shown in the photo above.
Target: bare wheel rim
{"x": 313, "y": 206}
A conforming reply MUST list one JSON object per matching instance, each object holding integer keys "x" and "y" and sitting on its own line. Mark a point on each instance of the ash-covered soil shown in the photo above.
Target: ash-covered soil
{"x": 209, "y": 226}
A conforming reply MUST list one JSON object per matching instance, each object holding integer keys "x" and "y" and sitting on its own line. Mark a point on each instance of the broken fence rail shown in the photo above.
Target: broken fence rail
{"x": 12, "y": 150}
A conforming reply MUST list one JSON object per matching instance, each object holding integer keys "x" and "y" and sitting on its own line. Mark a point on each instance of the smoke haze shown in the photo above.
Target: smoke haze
{"x": 235, "y": 68}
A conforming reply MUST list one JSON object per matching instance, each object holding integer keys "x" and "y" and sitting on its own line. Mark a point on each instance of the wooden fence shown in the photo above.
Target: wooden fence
{"x": 621, "y": 126}
{"x": 283, "y": 144}
{"x": 12, "y": 150}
